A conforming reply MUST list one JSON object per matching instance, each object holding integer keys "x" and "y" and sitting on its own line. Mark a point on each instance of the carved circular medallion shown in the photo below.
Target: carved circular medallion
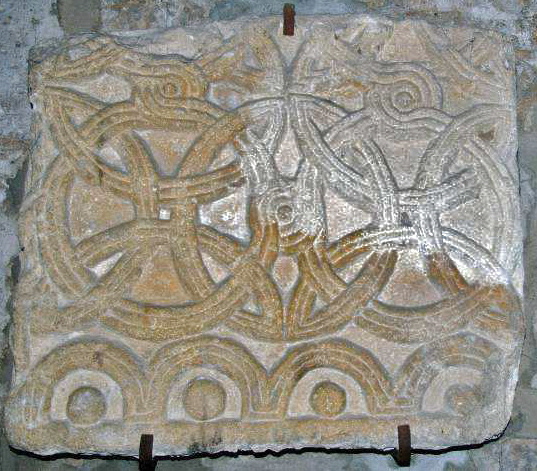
{"x": 86, "y": 406}
{"x": 328, "y": 399}
{"x": 204, "y": 399}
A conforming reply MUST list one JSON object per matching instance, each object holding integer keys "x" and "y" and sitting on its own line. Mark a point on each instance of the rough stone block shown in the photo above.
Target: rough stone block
{"x": 519, "y": 454}
{"x": 236, "y": 239}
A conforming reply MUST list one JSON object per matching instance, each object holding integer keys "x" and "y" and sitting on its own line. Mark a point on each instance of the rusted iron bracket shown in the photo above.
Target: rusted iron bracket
{"x": 404, "y": 449}
{"x": 146, "y": 461}
{"x": 289, "y": 19}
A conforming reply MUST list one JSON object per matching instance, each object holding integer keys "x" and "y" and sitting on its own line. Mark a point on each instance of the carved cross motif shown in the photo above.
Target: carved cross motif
{"x": 307, "y": 235}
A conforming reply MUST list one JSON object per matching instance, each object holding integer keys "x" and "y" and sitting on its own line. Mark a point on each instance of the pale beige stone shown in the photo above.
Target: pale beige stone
{"x": 240, "y": 240}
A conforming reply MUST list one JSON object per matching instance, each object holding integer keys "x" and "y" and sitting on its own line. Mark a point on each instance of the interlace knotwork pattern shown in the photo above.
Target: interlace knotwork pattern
{"x": 273, "y": 231}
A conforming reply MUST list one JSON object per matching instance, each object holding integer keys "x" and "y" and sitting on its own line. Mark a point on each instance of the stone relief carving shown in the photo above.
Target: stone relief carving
{"x": 277, "y": 242}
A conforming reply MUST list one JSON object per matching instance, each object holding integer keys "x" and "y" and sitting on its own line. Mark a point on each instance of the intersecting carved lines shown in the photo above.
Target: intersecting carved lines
{"x": 292, "y": 241}
{"x": 339, "y": 150}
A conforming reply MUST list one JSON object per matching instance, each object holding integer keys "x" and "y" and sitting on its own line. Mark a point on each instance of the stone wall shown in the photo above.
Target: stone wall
{"x": 29, "y": 22}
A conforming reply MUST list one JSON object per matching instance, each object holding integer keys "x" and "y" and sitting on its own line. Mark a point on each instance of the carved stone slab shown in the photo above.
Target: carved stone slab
{"x": 235, "y": 239}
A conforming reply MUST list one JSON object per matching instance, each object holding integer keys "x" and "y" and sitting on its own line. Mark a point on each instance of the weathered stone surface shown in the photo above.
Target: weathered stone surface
{"x": 240, "y": 240}
{"x": 519, "y": 455}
